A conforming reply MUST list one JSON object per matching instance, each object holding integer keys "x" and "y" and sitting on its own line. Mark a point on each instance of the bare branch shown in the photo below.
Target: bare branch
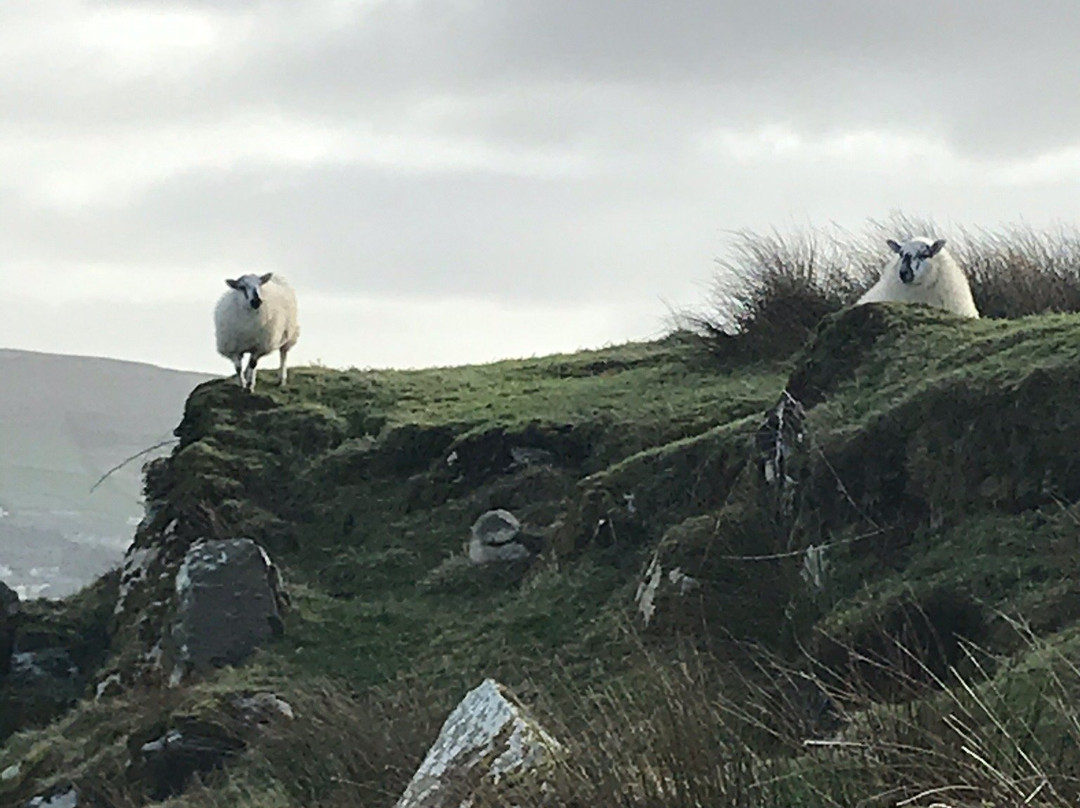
{"x": 124, "y": 462}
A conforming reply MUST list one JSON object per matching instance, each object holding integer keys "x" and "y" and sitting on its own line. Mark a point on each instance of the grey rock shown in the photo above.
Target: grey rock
{"x": 166, "y": 762}
{"x": 9, "y": 615}
{"x": 778, "y": 440}
{"x": 815, "y": 568}
{"x": 227, "y": 603}
{"x": 261, "y": 708}
{"x": 109, "y": 686}
{"x": 531, "y": 456}
{"x": 494, "y": 538}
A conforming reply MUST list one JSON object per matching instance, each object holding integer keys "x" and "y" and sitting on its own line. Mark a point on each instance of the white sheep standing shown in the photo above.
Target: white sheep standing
{"x": 256, "y": 316}
{"x": 923, "y": 272}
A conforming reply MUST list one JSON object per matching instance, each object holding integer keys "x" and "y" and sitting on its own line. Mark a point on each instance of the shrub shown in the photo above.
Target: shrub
{"x": 770, "y": 290}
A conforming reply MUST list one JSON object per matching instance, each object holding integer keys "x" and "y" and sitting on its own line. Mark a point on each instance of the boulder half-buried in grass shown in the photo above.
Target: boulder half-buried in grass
{"x": 488, "y": 737}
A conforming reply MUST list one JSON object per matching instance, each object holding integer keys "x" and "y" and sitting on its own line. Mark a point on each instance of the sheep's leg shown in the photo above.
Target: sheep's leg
{"x": 251, "y": 373}
{"x": 282, "y": 373}
{"x": 238, "y": 364}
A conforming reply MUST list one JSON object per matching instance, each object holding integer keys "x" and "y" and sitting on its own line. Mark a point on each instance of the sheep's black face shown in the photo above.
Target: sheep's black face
{"x": 248, "y": 286}
{"x": 915, "y": 256}
{"x": 907, "y": 274}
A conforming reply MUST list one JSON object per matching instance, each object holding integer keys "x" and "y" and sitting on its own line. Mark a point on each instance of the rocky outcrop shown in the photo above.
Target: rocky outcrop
{"x": 902, "y": 433}
{"x": 166, "y": 763}
{"x": 164, "y": 757}
{"x": 488, "y": 737}
{"x": 41, "y": 685}
{"x": 57, "y": 648}
{"x": 227, "y": 603}
{"x": 222, "y": 483}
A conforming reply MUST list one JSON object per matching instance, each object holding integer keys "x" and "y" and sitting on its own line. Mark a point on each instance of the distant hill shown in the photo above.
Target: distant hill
{"x": 64, "y": 422}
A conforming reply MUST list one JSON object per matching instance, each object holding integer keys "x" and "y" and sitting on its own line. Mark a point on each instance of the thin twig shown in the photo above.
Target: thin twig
{"x": 123, "y": 463}
{"x": 794, "y": 553}
{"x": 1035, "y": 793}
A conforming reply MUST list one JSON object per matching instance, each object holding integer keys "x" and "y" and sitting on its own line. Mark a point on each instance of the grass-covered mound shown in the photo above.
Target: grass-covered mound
{"x": 363, "y": 485}
{"x": 835, "y": 550}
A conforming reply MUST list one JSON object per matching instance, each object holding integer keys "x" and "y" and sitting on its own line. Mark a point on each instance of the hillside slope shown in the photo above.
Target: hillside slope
{"x": 64, "y": 422}
{"x": 884, "y": 524}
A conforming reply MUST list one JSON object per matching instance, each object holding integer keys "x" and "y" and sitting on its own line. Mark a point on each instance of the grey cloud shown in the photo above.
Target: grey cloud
{"x": 356, "y": 231}
{"x": 992, "y": 76}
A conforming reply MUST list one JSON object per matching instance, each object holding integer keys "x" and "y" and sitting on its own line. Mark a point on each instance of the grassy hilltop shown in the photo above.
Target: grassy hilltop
{"x": 934, "y": 460}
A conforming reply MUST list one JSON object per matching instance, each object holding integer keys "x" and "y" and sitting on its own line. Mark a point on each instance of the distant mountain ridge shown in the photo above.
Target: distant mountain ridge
{"x": 64, "y": 422}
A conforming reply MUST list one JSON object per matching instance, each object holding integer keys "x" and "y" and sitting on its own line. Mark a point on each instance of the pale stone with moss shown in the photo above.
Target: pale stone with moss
{"x": 489, "y": 736}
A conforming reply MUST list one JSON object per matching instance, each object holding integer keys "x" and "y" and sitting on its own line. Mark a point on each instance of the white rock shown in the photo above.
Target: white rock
{"x": 65, "y": 799}
{"x": 487, "y": 737}
{"x": 815, "y": 567}
{"x": 261, "y": 707}
{"x": 645, "y": 596}
{"x": 171, "y": 738}
{"x": 683, "y": 583}
{"x": 10, "y": 773}
{"x": 136, "y": 564}
{"x": 111, "y": 685}
{"x": 680, "y": 584}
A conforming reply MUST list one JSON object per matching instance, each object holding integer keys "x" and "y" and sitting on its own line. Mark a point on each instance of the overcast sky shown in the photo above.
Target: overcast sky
{"x": 446, "y": 181}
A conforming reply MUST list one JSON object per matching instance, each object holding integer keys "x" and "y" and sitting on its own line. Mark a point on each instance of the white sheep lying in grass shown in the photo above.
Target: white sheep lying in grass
{"x": 923, "y": 272}
{"x": 256, "y": 316}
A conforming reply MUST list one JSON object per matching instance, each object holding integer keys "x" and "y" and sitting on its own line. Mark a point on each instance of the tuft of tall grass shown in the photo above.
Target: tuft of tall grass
{"x": 704, "y": 732}
{"x": 770, "y": 290}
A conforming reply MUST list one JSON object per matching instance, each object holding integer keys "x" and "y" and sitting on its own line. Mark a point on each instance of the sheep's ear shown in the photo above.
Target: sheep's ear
{"x": 935, "y": 248}
{"x": 232, "y": 284}
{"x": 894, "y": 246}
{"x": 266, "y": 278}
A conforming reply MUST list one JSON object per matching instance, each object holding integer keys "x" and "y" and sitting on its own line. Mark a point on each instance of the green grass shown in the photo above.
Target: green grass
{"x": 367, "y": 545}
{"x": 922, "y": 350}
{"x": 635, "y": 396}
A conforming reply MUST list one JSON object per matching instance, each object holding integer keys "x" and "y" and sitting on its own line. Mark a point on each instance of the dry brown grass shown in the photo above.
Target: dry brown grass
{"x": 701, "y": 733}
